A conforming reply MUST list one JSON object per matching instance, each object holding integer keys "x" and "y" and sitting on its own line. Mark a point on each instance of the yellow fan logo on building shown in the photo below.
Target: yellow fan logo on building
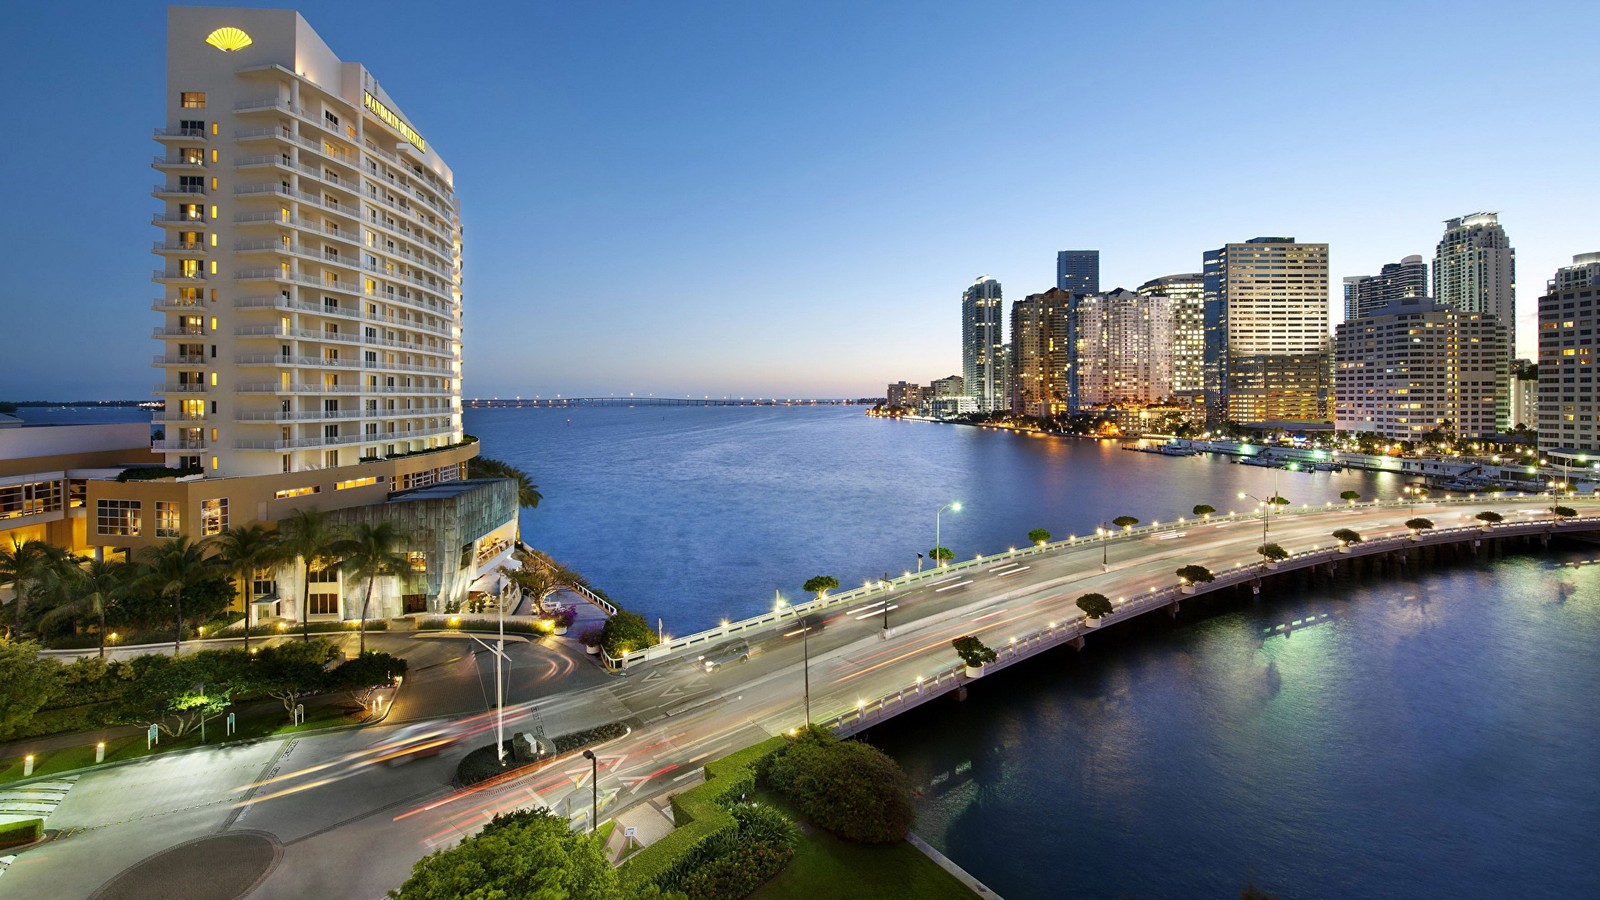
{"x": 229, "y": 39}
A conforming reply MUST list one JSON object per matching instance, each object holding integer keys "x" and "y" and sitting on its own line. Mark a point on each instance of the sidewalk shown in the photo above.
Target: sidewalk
{"x": 651, "y": 821}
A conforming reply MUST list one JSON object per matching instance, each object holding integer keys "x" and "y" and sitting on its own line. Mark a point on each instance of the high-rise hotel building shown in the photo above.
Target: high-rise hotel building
{"x": 1267, "y": 348}
{"x": 1041, "y": 356}
{"x": 1475, "y": 268}
{"x": 1569, "y": 362}
{"x": 310, "y": 331}
{"x": 309, "y": 258}
{"x": 1187, "y": 295}
{"x": 1365, "y": 294}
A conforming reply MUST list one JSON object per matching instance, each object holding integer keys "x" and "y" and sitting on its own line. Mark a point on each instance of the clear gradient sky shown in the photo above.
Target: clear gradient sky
{"x": 769, "y": 198}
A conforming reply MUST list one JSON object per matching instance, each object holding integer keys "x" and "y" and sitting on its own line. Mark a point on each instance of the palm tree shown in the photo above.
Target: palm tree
{"x": 93, "y": 588}
{"x": 23, "y": 565}
{"x": 527, "y": 492}
{"x": 243, "y": 551}
{"x": 174, "y": 566}
{"x": 373, "y": 550}
{"x": 310, "y": 537}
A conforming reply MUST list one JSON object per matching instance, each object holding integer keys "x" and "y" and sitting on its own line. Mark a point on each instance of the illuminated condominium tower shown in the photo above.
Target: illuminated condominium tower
{"x": 1041, "y": 356}
{"x": 1122, "y": 348}
{"x": 1569, "y": 362}
{"x": 310, "y": 256}
{"x": 1266, "y": 343}
{"x": 983, "y": 342}
{"x": 1475, "y": 269}
{"x": 1364, "y": 294}
{"x": 1188, "y": 348}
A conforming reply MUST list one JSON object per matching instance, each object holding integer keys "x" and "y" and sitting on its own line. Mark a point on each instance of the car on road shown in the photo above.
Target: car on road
{"x": 417, "y": 741}
{"x": 719, "y": 656}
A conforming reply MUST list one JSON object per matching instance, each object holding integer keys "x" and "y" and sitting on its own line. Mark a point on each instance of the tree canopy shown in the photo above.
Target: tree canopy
{"x": 1419, "y": 524}
{"x": 531, "y": 854}
{"x": 854, "y": 790}
{"x": 1125, "y": 521}
{"x": 1039, "y": 536}
{"x": 527, "y": 492}
{"x": 1273, "y": 552}
{"x": 1204, "y": 509}
{"x": 820, "y": 584}
{"x": 626, "y": 632}
{"x": 1347, "y": 535}
{"x": 26, "y": 682}
{"x": 1095, "y": 606}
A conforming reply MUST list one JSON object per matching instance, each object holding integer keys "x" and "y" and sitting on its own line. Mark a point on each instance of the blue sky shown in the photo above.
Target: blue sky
{"x": 788, "y": 198}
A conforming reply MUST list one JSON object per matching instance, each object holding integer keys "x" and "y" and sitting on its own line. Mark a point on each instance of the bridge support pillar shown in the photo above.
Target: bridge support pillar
{"x": 1172, "y": 610}
{"x": 1544, "y": 539}
{"x": 1076, "y": 643}
{"x": 961, "y": 694}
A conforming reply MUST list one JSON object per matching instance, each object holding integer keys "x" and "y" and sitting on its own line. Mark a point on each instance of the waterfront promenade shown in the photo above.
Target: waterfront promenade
{"x": 341, "y": 820}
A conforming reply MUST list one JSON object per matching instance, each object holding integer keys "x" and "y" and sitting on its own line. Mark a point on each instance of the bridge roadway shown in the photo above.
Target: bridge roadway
{"x": 348, "y": 823}
{"x": 684, "y": 716}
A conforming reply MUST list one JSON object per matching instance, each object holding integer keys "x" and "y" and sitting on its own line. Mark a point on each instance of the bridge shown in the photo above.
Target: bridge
{"x": 848, "y": 668}
{"x": 632, "y": 401}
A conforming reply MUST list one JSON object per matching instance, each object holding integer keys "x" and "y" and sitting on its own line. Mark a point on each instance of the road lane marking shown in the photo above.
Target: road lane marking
{"x": 1016, "y": 572}
{"x": 953, "y": 586}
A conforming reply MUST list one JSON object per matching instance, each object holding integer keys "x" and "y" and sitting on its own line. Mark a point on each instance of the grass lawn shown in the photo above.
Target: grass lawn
{"x": 255, "y": 720}
{"x": 824, "y": 864}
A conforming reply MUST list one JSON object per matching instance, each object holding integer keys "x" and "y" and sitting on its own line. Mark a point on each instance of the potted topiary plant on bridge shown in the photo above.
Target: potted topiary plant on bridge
{"x": 1189, "y": 576}
{"x": 1349, "y": 497}
{"x": 1095, "y": 607}
{"x": 1418, "y": 525}
{"x": 1346, "y": 537}
{"x": 1125, "y": 522}
{"x": 1039, "y": 536}
{"x": 1204, "y": 510}
{"x": 974, "y": 653}
{"x": 1489, "y": 518}
{"x": 1272, "y": 554}
{"x": 1563, "y": 512}
{"x": 941, "y": 555}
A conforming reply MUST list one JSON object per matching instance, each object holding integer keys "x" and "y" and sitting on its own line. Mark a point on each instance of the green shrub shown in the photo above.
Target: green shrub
{"x": 973, "y": 652}
{"x": 706, "y": 830}
{"x": 1095, "y": 606}
{"x": 851, "y": 789}
{"x": 1196, "y": 574}
{"x": 737, "y": 873}
{"x": 1276, "y": 553}
{"x": 24, "y": 832}
{"x": 1347, "y": 535}
{"x": 626, "y": 632}
{"x": 577, "y": 740}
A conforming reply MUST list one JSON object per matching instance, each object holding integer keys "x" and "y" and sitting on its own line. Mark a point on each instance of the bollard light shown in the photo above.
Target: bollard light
{"x": 27, "y": 765}
{"x": 100, "y": 752}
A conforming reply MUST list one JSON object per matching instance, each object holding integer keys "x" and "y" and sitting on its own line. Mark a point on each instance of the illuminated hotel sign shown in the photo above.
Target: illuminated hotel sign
{"x": 393, "y": 121}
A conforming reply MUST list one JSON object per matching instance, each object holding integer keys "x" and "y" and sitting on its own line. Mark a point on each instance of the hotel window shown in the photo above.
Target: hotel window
{"x": 167, "y": 525}
{"x": 193, "y": 212}
{"x": 194, "y": 156}
{"x": 31, "y": 498}
{"x": 192, "y": 126}
{"x": 118, "y": 517}
{"x": 192, "y": 99}
{"x": 323, "y": 604}
{"x": 262, "y": 584}
{"x": 213, "y": 516}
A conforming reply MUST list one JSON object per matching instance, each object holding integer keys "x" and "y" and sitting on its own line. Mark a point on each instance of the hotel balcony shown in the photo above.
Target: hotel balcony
{"x": 177, "y": 277}
{"x": 178, "y": 389}
{"x": 173, "y": 304}
{"x": 168, "y": 220}
{"x": 178, "y": 192}
{"x": 267, "y": 104}
{"x": 171, "y": 331}
{"x": 179, "y": 134}
{"x": 178, "y": 361}
{"x": 177, "y": 247}
{"x": 311, "y": 443}
{"x": 177, "y": 164}
{"x": 180, "y": 444}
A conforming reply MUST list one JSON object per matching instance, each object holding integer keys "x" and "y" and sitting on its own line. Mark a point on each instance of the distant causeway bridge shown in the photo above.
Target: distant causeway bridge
{"x": 565, "y": 402}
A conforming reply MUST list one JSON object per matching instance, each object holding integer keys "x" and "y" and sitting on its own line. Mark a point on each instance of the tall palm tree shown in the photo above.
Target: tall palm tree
{"x": 373, "y": 550}
{"x": 309, "y": 536}
{"x": 23, "y": 565}
{"x": 174, "y": 566}
{"x": 243, "y": 551}
{"x": 92, "y": 589}
{"x": 527, "y": 492}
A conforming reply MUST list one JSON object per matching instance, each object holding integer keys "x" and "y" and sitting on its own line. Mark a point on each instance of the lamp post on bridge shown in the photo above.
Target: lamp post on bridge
{"x": 953, "y": 506}
{"x": 805, "y": 643}
{"x": 1105, "y": 547}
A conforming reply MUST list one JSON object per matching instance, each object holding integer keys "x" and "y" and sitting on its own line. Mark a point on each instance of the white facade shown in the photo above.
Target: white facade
{"x": 1267, "y": 353}
{"x": 1416, "y": 366}
{"x": 1187, "y": 293}
{"x": 309, "y": 258}
{"x": 1123, "y": 347}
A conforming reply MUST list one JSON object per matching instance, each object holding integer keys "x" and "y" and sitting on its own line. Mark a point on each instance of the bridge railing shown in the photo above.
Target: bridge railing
{"x": 866, "y": 713}
{"x": 765, "y": 621}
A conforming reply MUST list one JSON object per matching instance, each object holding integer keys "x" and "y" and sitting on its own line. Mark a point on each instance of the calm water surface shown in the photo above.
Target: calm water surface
{"x": 696, "y": 514}
{"x": 1433, "y": 737}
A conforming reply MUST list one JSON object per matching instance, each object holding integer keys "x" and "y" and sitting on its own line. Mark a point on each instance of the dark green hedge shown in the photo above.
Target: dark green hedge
{"x": 24, "y": 832}
{"x": 849, "y": 788}
{"x": 706, "y": 829}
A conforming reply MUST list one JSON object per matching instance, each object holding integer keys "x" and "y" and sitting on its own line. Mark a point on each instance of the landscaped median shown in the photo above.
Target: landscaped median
{"x": 26, "y": 831}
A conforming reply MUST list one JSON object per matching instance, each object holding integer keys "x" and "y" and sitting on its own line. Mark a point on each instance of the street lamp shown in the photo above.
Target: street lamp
{"x": 499, "y": 682}
{"x": 1266, "y": 510}
{"x": 805, "y": 643}
{"x": 594, "y": 788}
{"x": 1105, "y": 550}
{"x": 953, "y": 506}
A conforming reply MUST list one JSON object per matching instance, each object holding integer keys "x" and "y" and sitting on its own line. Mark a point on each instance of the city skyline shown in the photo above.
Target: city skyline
{"x": 710, "y": 259}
